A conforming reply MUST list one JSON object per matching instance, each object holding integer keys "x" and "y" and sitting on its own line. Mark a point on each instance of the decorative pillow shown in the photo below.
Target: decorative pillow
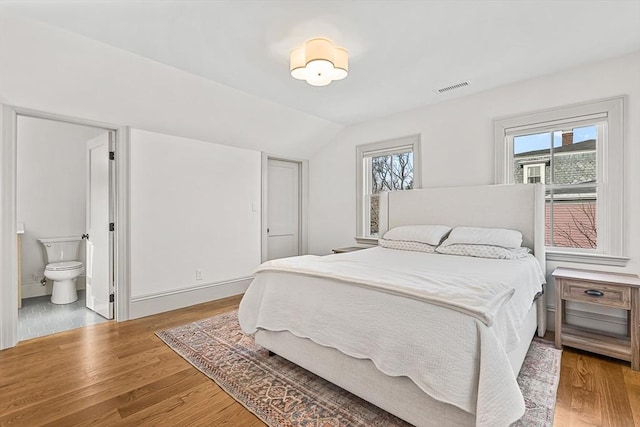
{"x": 404, "y": 245}
{"x": 484, "y": 236}
{"x": 429, "y": 234}
{"x": 483, "y": 251}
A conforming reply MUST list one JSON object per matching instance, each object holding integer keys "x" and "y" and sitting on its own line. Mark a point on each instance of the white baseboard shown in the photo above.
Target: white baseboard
{"x": 586, "y": 319}
{"x": 35, "y": 289}
{"x": 146, "y": 305}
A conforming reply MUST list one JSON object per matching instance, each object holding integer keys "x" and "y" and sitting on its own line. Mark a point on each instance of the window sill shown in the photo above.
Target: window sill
{"x": 586, "y": 258}
{"x": 373, "y": 241}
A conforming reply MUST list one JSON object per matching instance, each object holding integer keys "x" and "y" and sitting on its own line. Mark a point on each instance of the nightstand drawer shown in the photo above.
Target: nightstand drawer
{"x": 595, "y": 293}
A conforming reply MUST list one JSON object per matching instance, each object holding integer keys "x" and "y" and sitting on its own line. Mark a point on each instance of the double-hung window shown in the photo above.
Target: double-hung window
{"x": 383, "y": 166}
{"x": 577, "y": 153}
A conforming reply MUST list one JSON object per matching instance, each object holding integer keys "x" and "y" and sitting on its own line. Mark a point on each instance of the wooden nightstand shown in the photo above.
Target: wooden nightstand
{"x": 604, "y": 289}
{"x": 347, "y": 249}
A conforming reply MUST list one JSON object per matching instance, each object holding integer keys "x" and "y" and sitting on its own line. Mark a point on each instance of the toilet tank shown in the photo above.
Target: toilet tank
{"x": 59, "y": 249}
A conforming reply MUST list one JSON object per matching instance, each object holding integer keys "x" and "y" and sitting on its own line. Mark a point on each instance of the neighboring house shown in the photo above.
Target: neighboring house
{"x": 574, "y": 213}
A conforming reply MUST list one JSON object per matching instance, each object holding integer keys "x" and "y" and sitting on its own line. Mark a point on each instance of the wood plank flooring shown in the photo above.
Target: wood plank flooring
{"x": 596, "y": 391}
{"x": 116, "y": 374}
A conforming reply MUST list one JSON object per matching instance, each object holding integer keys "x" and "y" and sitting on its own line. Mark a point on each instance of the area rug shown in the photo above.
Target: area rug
{"x": 282, "y": 394}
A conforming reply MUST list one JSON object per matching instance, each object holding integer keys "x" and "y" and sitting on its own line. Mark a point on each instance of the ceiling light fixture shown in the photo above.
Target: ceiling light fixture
{"x": 319, "y": 62}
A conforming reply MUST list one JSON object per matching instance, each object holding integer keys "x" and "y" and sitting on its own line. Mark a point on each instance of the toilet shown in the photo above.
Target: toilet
{"x": 62, "y": 268}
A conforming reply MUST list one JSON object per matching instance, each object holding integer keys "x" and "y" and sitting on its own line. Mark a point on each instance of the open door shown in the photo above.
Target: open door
{"x": 98, "y": 237}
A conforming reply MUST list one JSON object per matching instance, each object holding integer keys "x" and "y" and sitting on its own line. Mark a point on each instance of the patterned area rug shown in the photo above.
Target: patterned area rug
{"x": 282, "y": 394}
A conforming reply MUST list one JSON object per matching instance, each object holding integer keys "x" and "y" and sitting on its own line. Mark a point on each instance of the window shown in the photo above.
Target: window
{"x": 570, "y": 154}
{"x": 383, "y": 166}
{"x": 577, "y": 153}
{"x": 533, "y": 173}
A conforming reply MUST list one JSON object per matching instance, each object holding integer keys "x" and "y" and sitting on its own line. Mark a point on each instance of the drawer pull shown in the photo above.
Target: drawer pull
{"x": 594, "y": 293}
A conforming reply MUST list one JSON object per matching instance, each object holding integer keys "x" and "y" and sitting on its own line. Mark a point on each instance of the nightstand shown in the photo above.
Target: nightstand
{"x": 604, "y": 289}
{"x": 347, "y": 249}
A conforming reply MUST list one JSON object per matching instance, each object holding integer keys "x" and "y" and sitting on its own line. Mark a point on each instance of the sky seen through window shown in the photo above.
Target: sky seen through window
{"x": 540, "y": 141}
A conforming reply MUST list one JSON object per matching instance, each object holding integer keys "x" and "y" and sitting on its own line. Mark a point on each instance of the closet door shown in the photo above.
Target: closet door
{"x": 283, "y": 209}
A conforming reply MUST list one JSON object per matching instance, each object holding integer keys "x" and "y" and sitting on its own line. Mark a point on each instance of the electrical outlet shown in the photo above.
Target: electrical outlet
{"x": 34, "y": 277}
{"x": 198, "y": 274}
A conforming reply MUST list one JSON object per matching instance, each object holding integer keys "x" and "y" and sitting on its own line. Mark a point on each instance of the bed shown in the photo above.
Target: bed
{"x": 425, "y": 362}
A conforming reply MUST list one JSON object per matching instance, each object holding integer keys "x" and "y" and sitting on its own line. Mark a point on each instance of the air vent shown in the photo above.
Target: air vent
{"x": 452, "y": 87}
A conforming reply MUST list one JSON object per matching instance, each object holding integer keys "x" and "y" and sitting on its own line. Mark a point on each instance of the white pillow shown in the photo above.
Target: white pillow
{"x": 484, "y": 236}
{"x": 404, "y": 245}
{"x": 429, "y": 234}
{"x": 483, "y": 251}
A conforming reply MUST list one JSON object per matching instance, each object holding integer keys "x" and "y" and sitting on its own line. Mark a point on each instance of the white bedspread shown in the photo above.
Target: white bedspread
{"x": 454, "y": 348}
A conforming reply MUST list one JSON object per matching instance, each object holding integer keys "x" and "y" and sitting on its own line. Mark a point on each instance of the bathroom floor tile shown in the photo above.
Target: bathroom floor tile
{"x": 39, "y": 316}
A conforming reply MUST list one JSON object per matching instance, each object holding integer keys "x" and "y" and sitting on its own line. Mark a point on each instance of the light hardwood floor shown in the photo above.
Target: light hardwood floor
{"x": 122, "y": 374}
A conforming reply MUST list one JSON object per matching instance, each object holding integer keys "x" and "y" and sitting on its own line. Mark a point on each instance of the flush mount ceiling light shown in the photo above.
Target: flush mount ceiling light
{"x": 319, "y": 62}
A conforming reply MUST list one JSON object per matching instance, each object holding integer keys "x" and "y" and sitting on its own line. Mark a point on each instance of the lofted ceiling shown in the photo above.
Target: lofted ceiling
{"x": 400, "y": 51}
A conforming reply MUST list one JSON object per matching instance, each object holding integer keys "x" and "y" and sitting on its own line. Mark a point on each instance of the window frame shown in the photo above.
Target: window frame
{"x": 363, "y": 151}
{"x": 610, "y": 170}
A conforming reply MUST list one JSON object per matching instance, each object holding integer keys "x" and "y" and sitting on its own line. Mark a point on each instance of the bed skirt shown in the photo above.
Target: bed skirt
{"x": 396, "y": 395}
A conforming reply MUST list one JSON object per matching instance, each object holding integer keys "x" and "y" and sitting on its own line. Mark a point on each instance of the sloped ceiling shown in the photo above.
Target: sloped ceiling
{"x": 400, "y": 51}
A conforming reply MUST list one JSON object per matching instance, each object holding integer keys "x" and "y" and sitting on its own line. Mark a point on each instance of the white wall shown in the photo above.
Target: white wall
{"x": 56, "y": 71}
{"x": 194, "y": 205}
{"x": 457, "y": 146}
{"x": 51, "y": 191}
{"x": 48, "y": 69}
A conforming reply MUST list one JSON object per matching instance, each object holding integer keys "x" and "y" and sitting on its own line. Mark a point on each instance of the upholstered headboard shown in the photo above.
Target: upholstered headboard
{"x": 518, "y": 207}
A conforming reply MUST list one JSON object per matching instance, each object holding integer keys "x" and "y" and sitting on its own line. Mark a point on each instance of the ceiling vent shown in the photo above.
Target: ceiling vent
{"x": 452, "y": 87}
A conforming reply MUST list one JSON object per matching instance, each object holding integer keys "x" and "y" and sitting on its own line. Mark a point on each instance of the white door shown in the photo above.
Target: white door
{"x": 98, "y": 246}
{"x": 283, "y": 209}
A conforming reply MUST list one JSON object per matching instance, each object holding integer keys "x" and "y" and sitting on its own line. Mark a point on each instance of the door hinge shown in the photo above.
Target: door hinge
{"x": 112, "y": 155}
{"x": 112, "y": 226}
{"x": 111, "y": 298}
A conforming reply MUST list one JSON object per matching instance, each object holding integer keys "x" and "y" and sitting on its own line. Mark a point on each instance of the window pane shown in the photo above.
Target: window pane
{"x": 585, "y": 133}
{"x": 531, "y": 150}
{"x": 548, "y": 213}
{"x": 392, "y": 172}
{"x": 557, "y": 139}
{"x": 573, "y": 214}
{"x": 530, "y": 143}
{"x": 403, "y": 171}
{"x": 574, "y": 161}
{"x": 388, "y": 173}
{"x": 380, "y": 174}
{"x": 374, "y": 208}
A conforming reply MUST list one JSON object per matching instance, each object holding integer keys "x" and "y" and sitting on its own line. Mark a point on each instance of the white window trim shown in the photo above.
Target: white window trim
{"x": 362, "y": 151}
{"x": 611, "y": 179}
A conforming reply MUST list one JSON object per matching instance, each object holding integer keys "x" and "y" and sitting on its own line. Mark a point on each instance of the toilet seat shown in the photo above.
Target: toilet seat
{"x": 64, "y": 265}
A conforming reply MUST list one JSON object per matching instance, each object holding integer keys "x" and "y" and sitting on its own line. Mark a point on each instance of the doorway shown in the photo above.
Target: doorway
{"x": 9, "y": 228}
{"x": 62, "y": 188}
{"x": 283, "y": 207}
